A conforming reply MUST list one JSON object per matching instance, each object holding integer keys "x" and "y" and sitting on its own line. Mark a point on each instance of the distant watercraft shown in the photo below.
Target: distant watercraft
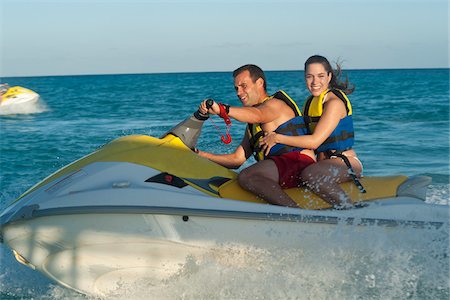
{"x": 139, "y": 206}
{"x": 16, "y": 95}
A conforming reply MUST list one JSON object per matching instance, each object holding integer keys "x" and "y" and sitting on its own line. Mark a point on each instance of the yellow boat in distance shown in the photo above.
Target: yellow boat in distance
{"x": 16, "y": 95}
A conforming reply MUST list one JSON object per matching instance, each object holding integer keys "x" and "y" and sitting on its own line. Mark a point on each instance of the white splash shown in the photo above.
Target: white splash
{"x": 340, "y": 266}
{"x": 24, "y": 108}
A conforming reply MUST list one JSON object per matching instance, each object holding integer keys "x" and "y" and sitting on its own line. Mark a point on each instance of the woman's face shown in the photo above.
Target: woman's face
{"x": 317, "y": 79}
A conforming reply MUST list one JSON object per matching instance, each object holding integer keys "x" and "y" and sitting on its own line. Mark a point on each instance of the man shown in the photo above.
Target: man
{"x": 266, "y": 178}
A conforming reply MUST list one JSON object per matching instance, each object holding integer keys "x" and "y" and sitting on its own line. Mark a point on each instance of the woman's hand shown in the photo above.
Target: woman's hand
{"x": 268, "y": 141}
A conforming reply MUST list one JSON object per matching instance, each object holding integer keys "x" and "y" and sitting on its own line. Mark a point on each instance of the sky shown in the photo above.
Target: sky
{"x": 68, "y": 37}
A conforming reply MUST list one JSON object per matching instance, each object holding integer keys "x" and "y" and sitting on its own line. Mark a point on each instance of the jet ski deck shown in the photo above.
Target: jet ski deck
{"x": 180, "y": 166}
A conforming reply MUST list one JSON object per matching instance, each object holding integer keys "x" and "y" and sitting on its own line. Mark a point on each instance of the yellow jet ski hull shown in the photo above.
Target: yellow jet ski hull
{"x": 171, "y": 156}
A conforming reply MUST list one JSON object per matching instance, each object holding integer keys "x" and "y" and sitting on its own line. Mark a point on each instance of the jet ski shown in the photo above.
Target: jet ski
{"x": 139, "y": 206}
{"x": 16, "y": 95}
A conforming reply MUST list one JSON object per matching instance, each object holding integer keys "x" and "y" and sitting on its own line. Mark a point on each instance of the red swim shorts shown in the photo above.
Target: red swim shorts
{"x": 290, "y": 165}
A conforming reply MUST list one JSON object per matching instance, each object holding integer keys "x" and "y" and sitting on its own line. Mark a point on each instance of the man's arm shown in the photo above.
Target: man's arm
{"x": 232, "y": 160}
{"x": 263, "y": 113}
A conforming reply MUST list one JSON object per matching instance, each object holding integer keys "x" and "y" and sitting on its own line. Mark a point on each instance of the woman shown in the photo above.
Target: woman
{"x": 327, "y": 114}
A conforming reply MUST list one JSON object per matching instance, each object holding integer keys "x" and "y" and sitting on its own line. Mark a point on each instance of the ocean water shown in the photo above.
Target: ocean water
{"x": 402, "y": 127}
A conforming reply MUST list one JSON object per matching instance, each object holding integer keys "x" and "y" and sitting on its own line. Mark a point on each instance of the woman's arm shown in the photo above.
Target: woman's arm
{"x": 333, "y": 111}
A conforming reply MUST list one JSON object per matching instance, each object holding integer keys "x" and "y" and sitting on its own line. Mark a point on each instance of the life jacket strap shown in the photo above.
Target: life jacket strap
{"x": 345, "y": 135}
{"x": 254, "y": 139}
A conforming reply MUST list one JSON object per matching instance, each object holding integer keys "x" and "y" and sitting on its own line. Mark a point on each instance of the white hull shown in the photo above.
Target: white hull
{"x": 93, "y": 236}
{"x": 97, "y": 253}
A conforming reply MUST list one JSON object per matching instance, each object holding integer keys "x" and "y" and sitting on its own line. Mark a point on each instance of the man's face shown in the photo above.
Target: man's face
{"x": 248, "y": 92}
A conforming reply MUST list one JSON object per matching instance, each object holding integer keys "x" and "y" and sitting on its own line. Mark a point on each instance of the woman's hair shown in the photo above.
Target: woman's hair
{"x": 336, "y": 74}
{"x": 255, "y": 73}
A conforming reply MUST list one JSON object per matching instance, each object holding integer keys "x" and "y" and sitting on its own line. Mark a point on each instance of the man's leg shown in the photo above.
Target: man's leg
{"x": 262, "y": 180}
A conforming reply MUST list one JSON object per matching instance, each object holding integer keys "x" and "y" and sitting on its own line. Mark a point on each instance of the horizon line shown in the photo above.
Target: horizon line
{"x": 194, "y": 72}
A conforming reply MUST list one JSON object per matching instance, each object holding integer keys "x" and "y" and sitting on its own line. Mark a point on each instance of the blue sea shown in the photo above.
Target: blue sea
{"x": 402, "y": 127}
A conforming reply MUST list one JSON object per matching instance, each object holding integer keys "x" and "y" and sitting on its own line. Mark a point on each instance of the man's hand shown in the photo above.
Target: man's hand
{"x": 214, "y": 110}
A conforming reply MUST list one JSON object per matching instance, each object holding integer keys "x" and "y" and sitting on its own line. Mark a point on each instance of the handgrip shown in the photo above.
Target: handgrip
{"x": 209, "y": 103}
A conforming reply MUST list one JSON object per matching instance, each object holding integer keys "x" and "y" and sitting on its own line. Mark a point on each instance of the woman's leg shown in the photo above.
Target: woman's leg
{"x": 324, "y": 177}
{"x": 262, "y": 180}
